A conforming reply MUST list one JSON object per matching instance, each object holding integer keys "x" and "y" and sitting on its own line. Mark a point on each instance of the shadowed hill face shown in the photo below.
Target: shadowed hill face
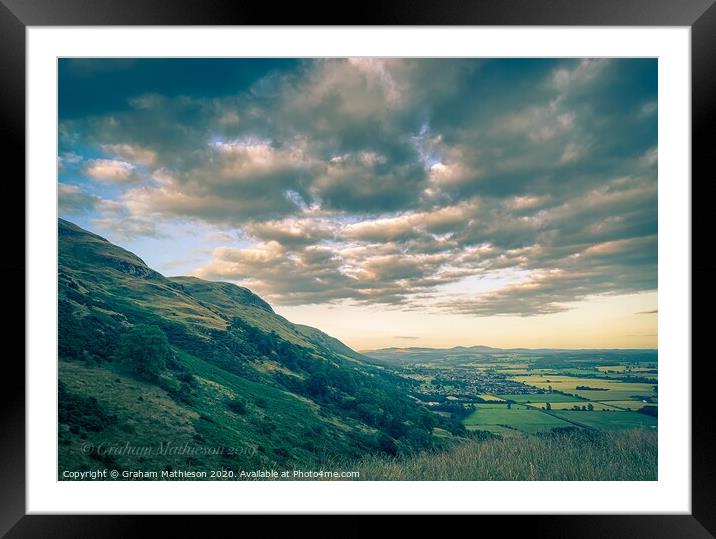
{"x": 237, "y": 374}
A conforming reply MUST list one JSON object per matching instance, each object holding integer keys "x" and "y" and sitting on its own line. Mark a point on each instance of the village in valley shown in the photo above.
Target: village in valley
{"x": 532, "y": 391}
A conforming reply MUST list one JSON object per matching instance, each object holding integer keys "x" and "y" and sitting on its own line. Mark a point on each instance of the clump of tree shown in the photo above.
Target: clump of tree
{"x": 238, "y": 406}
{"x": 649, "y": 410}
{"x": 261, "y": 403}
{"x": 92, "y": 338}
{"x": 180, "y": 383}
{"x": 456, "y": 410}
{"x": 387, "y": 444}
{"x": 146, "y": 350}
{"x": 178, "y": 388}
{"x": 589, "y": 388}
{"x": 81, "y": 413}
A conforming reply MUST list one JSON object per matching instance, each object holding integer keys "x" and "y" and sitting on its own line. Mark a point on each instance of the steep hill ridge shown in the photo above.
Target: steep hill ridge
{"x": 239, "y": 375}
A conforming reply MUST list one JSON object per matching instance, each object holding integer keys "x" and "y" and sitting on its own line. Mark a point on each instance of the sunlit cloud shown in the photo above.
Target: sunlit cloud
{"x": 394, "y": 182}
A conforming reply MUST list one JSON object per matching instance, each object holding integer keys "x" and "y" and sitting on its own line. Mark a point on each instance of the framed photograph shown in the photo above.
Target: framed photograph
{"x": 432, "y": 260}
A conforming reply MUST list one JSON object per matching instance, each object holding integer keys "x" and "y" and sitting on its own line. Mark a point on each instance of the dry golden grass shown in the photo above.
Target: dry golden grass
{"x": 626, "y": 455}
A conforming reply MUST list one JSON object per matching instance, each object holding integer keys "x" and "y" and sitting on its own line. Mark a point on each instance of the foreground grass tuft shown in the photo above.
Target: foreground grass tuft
{"x": 626, "y": 455}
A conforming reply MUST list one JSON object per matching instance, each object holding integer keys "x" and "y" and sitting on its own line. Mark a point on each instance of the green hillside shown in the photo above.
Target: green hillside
{"x": 149, "y": 363}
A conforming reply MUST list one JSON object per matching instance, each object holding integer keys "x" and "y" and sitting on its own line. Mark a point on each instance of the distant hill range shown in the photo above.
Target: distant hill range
{"x": 462, "y": 354}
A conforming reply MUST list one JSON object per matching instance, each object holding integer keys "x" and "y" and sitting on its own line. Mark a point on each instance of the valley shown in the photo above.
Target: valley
{"x": 530, "y": 391}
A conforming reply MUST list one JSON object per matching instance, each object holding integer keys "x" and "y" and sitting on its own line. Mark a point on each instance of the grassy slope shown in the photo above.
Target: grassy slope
{"x": 148, "y": 417}
{"x": 279, "y": 427}
{"x": 626, "y": 455}
{"x": 234, "y": 301}
{"x": 91, "y": 266}
{"x": 319, "y": 338}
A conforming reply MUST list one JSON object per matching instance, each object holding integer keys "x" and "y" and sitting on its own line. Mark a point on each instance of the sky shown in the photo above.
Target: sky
{"x": 388, "y": 202}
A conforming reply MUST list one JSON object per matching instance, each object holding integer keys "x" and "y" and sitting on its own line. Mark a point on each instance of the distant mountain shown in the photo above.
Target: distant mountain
{"x": 420, "y": 354}
{"x": 462, "y": 354}
{"x": 420, "y": 349}
{"x": 237, "y": 375}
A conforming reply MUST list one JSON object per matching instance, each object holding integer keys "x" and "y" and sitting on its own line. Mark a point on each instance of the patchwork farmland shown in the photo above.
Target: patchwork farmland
{"x": 527, "y": 392}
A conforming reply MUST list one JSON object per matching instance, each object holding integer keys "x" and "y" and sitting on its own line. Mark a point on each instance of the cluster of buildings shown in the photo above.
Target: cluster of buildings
{"x": 468, "y": 384}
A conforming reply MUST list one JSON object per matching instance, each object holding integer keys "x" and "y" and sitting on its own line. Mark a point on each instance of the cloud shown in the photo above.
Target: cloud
{"x": 127, "y": 229}
{"x": 390, "y": 181}
{"x": 332, "y": 132}
{"x": 293, "y": 231}
{"x": 68, "y": 159}
{"x": 586, "y": 70}
{"x": 73, "y": 201}
{"x": 114, "y": 217}
{"x": 133, "y": 154}
{"x": 105, "y": 214}
{"x": 111, "y": 170}
{"x": 609, "y": 268}
{"x": 315, "y": 272}
{"x": 425, "y": 224}
{"x": 321, "y": 273}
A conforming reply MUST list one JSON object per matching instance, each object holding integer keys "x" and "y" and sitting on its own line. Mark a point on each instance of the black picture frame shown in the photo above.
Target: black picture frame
{"x": 699, "y": 15}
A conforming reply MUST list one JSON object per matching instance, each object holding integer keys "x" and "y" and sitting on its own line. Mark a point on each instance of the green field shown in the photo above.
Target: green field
{"x": 609, "y": 420}
{"x": 541, "y": 397}
{"x": 624, "y": 368}
{"x": 620, "y": 376}
{"x": 497, "y": 405}
{"x": 610, "y": 389}
{"x": 633, "y": 404}
{"x": 528, "y": 421}
{"x": 497, "y": 418}
{"x": 563, "y": 372}
{"x": 617, "y": 394}
{"x": 570, "y": 405}
{"x": 510, "y": 370}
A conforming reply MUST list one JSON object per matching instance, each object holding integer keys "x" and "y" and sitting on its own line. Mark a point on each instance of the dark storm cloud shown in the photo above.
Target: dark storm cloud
{"x": 95, "y": 86}
{"x": 385, "y": 180}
